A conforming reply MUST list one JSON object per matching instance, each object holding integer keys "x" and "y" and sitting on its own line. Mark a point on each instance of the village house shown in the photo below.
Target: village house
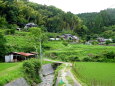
{"x": 54, "y": 39}
{"x": 103, "y": 40}
{"x": 18, "y": 56}
{"x": 29, "y": 25}
{"x": 70, "y": 37}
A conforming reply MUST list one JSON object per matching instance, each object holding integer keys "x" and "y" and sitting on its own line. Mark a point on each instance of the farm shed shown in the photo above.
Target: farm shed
{"x": 18, "y": 56}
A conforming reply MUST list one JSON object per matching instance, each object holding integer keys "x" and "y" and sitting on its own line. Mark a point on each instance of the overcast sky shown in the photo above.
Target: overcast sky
{"x": 79, "y": 6}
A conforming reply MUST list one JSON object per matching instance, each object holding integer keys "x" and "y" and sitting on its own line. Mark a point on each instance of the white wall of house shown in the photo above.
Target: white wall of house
{"x": 9, "y": 58}
{"x": 52, "y": 39}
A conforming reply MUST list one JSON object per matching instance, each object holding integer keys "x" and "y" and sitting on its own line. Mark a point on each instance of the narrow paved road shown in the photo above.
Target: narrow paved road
{"x": 66, "y": 71}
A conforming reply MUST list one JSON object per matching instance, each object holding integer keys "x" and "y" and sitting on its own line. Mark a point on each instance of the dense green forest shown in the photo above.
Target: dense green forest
{"x": 100, "y": 23}
{"x": 18, "y": 13}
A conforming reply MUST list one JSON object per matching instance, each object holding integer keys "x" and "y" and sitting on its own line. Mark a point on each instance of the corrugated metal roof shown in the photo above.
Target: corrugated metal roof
{"x": 24, "y": 54}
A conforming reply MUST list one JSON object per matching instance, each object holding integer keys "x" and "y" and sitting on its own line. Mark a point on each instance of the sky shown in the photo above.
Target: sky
{"x": 79, "y": 6}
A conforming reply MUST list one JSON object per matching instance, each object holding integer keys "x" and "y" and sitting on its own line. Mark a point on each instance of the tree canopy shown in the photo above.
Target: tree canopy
{"x": 102, "y": 22}
{"x": 51, "y": 18}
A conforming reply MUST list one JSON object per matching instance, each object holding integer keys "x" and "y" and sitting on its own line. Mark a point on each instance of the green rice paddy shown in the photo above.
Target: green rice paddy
{"x": 95, "y": 74}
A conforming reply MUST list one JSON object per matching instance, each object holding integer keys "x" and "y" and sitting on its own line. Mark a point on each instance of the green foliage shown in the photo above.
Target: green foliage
{"x": 36, "y": 32}
{"x": 9, "y": 31}
{"x": 95, "y": 42}
{"x": 74, "y": 58}
{"x": 57, "y": 72}
{"x": 109, "y": 55}
{"x": 107, "y": 42}
{"x": 113, "y": 40}
{"x": 3, "y": 22}
{"x": 108, "y": 34}
{"x": 106, "y": 56}
{"x": 52, "y": 35}
{"x": 19, "y": 43}
{"x": 31, "y": 70}
{"x": 100, "y": 22}
{"x": 37, "y": 35}
{"x": 65, "y": 43}
{"x": 2, "y": 46}
{"x": 50, "y": 18}
{"x": 86, "y": 59}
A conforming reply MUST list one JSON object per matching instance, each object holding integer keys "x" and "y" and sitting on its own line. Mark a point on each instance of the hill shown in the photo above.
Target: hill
{"x": 18, "y": 13}
{"x": 100, "y": 23}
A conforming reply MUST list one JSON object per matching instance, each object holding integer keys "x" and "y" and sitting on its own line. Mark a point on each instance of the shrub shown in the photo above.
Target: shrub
{"x": 109, "y": 55}
{"x": 74, "y": 58}
{"x": 113, "y": 40}
{"x": 86, "y": 59}
{"x": 47, "y": 47}
{"x": 107, "y": 42}
{"x": 9, "y": 31}
{"x": 104, "y": 57}
{"x": 65, "y": 43}
{"x": 31, "y": 70}
{"x": 95, "y": 42}
{"x": 63, "y": 57}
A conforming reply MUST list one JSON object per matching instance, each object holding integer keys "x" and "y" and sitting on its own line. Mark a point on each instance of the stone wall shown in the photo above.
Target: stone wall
{"x": 18, "y": 82}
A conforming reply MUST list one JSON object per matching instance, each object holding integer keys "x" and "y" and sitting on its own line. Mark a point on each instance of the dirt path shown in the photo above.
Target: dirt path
{"x": 65, "y": 75}
{"x": 76, "y": 83}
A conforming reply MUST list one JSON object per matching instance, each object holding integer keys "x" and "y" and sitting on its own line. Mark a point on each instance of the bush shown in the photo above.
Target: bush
{"x": 95, "y": 42}
{"x": 65, "y": 43}
{"x": 10, "y": 31}
{"x": 113, "y": 40}
{"x": 86, "y": 59}
{"x": 74, "y": 58}
{"x": 109, "y": 55}
{"x": 47, "y": 47}
{"x": 31, "y": 70}
{"x": 107, "y": 42}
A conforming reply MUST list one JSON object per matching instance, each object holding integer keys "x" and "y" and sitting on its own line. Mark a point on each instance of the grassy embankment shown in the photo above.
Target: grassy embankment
{"x": 95, "y": 74}
{"x": 9, "y": 72}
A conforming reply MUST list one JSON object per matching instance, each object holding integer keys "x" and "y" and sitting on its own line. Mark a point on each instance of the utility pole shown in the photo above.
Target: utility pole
{"x": 40, "y": 51}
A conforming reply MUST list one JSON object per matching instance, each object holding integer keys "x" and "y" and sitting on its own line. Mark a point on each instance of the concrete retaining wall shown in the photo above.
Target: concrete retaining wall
{"x": 18, "y": 82}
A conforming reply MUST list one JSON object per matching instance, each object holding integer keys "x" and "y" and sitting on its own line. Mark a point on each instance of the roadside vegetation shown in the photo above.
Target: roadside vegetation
{"x": 31, "y": 70}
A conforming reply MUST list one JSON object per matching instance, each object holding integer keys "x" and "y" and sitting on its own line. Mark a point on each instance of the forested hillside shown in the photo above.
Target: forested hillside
{"x": 101, "y": 23}
{"x": 15, "y": 13}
